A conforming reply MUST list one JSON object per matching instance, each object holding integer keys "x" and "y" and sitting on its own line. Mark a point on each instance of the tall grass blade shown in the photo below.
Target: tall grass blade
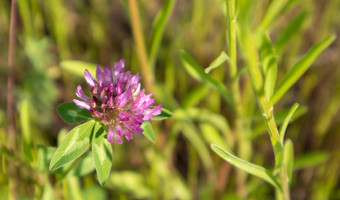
{"x": 250, "y": 168}
{"x": 300, "y": 68}
{"x": 196, "y": 72}
{"x": 158, "y": 30}
{"x": 217, "y": 62}
{"x": 287, "y": 120}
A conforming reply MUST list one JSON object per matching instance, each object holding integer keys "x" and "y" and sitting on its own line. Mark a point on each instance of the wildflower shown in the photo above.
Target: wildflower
{"x": 117, "y": 101}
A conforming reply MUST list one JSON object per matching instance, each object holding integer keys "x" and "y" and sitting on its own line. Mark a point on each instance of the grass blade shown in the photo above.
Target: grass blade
{"x": 269, "y": 65}
{"x": 196, "y": 72}
{"x": 158, "y": 30}
{"x": 217, "y": 62}
{"x": 310, "y": 159}
{"x": 300, "y": 68}
{"x": 250, "y": 168}
{"x": 288, "y": 158}
{"x": 290, "y": 30}
{"x": 287, "y": 120}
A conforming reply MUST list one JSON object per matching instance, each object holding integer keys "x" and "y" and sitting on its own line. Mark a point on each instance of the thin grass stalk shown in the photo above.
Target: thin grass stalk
{"x": 266, "y": 109}
{"x": 235, "y": 88}
{"x": 140, "y": 43}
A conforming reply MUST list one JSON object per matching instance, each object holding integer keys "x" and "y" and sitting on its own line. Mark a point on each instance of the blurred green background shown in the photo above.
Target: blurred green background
{"x": 56, "y": 39}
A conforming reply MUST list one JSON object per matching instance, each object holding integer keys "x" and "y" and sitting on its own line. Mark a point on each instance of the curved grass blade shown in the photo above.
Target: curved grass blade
{"x": 70, "y": 113}
{"x": 75, "y": 144}
{"x": 287, "y": 120}
{"x": 300, "y": 68}
{"x": 269, "y": 65}
{"x": 310, "y": 159}
{"x": 25, "y": 122}
{"x": 217, "y": 62}
{"x": 158, "y": 30}
{"x": 102, "y": 153}
{"x": 196, "y": 72}
{"x": 148, "y": 131}
{"x": 246, "y": 166}
{"x": 288, "y": 158}
{"x": 290, "y": 30}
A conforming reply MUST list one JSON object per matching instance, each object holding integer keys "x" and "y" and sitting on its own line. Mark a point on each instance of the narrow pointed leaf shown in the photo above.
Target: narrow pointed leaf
{"x": 164, "y": 115}
{"x": 25, "y": 122}
{"x": 287, "y": 120}
{"x": 272, "y": 12}
{"x": 148, "y": 131}
{"x": 158, "y": 29}
{"x": 246, "y": 166}
{"x": 288, "y": 158}
{"x": 290, "y": 30}
{"x": 70, "y": 113}
{"x": 102, "y": 154}
{"x": 300, "y": 68}
{"x": 75, "y": 144}
{"x": 310, "y": 159}
{"x": 269, "y": 65}
{"x": 217, "y": 62}
{"x": 197, "y": 73}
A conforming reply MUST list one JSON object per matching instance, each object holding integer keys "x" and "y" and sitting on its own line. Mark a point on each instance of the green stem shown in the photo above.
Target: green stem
{"x": 243, "y": 144}
{"x": 266, "y": 109}
{"x": 141, "y": 50}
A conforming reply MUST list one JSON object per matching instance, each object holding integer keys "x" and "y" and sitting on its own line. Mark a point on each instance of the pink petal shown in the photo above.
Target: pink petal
{"x": 89, "y": 79}
{"x": 82, "y": 104}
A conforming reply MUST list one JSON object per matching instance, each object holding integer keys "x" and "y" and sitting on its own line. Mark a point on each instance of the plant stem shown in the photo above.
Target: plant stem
{"x": 235, "y": 88}
{"x": 266, "y": 108}
{"x": 141, "y": 50}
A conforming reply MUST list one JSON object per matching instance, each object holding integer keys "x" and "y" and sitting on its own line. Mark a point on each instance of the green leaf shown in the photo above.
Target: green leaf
{"x": 102, "y": 154}
{"x": 148, "y": 131}
{"x": 77, "y": 68}
{"x": 310, "y": 159}
{"x": 76, "y": 143}
{"x": 69, "y": 112}
{"x": 196, "y": 72}
{"x": 158, "y": 29}
{"x": 269, "y": 65}
{"x": 288, "y": 158}
{"x": 217, "y": 62}
{"x": 272, "y": 13}
{"x": 279, "y": 118}
{"x": 164, "y": 115}
{"x": 300, "y": 68}
{"x": 287, "y": 120}
{"x": 290, "y": 30}
{"x": 246, "y": 166}
{"x": 25, "y": 123}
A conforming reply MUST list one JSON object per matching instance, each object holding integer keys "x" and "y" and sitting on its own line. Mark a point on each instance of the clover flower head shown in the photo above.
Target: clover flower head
{"x": 117, "y": 101}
